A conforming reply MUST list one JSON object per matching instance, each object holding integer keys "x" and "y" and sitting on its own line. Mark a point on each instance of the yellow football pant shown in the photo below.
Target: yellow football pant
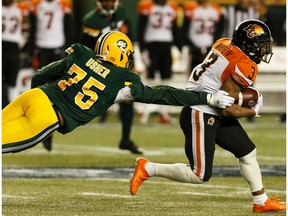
{"x": 27, "y": 120}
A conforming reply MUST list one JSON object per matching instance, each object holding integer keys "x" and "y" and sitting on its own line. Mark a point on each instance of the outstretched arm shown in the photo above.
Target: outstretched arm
{"x": 167, "y": 95}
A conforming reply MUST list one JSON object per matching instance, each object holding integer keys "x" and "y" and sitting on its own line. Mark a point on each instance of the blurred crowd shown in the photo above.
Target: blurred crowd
{"x": 37, "y": 32}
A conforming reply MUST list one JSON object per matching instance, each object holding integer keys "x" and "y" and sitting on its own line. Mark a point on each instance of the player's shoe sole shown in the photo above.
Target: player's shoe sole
{"x": 272, "y": 204}
{"x": 139, "y": 176}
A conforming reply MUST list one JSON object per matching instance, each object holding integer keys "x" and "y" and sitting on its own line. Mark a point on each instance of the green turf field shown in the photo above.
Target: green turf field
{"x": 95, "y": 146}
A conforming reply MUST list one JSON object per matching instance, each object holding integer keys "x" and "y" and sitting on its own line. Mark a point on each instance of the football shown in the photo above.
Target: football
{"x": 248, "y": 97}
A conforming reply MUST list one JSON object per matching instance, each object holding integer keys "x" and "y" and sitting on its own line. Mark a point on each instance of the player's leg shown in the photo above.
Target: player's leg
{"x": 165, "y": 69}
{"x": 243, "y": 148}
{"x": 153, "y": 53}
{"x": 199, "y": 130}
{"x": 45, "y": 57}
{"x": 126, "y": 116}
{"x": 201, "y": 163}
{"x": 195, "y": 53}
{"x": 5, "y": 100}
{"x": 165, "y": 61}
{"x": 152, "y": 59}
{"x": 12, "y": 69}
{"x": 27, "y": 120}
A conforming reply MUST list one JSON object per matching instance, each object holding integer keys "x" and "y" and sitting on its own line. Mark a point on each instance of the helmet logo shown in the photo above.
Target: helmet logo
{"x": 122, "y": 44}
{"x": 253, "y": 30}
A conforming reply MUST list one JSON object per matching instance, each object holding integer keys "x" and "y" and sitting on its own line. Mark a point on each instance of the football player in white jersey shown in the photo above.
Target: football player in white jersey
{"x": 230, "y": 65}
{"x": 12, "y": 26}
{"x": 157, "y": 32}
{"x": 203, "y": 24}
{"x": 51, "y": 32}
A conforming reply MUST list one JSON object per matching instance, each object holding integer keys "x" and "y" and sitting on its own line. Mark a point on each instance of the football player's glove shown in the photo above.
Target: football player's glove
{"x": 220, "y": 99}
{"x": 257, "y": 108}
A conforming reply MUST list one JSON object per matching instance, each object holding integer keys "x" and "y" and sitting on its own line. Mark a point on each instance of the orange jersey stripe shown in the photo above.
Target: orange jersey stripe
{"x": 65, "y": 5}
{"x": 144, "y": 7}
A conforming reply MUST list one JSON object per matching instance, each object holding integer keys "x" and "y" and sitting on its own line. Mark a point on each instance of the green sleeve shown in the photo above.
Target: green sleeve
{"x": 167, "y": 95}
{"x": 49, "y": 73}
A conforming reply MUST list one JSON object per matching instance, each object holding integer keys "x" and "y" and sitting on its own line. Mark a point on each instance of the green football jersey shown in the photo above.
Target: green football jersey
{"x": 82, "y": 87}
{"x": 95, "y": 24}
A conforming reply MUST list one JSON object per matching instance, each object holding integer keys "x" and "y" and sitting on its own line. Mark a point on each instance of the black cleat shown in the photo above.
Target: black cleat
{"x": 130, "y": 146}
{"x": 47, "y": 143}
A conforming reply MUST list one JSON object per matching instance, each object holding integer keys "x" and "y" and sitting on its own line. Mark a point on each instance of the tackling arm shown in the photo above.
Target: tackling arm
{"x": 167, "y": 95}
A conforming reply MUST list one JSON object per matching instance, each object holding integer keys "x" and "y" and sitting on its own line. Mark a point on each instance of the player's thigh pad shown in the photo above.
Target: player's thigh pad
{"x": 27, "y": 120}
{"x": 232, "y": 137}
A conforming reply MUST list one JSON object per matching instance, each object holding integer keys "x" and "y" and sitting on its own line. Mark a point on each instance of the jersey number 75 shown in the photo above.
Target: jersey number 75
{"x": 86, "y": 91}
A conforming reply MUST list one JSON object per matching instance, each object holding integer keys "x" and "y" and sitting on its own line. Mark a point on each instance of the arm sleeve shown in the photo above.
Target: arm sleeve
{"x": 49, "y": 73}
{"x": 167, "y": 95}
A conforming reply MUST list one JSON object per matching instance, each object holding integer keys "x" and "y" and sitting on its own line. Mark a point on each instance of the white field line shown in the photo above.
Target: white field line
{"x": 105, "y": 195}
{"x": 16, "y": 197}
{"x": 233, "y": 194}
{"x": 156, "y": 125}
{"x": 208, "y": 186}
{"x": 101, "y": 150}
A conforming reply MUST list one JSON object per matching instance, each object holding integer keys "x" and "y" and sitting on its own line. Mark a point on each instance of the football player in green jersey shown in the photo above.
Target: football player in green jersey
{"x": 109, "y": 16}
{"x": 71, "y": 92}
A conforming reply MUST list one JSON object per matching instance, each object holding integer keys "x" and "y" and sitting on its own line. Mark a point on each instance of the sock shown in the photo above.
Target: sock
{"x": 177, "y": 172}
{"x": 150, "y": 168}
{"x": 250, "y": 170}
{"x": 260, "y": 199}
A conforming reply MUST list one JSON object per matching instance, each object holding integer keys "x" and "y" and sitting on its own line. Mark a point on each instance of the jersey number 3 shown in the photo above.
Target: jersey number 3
{"x": 211, "y": 59}
{"x": 86, "y": 91}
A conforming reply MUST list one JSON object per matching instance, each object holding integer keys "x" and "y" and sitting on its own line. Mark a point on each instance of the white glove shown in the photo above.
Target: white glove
{"x": 220, "y": 99}
{"x": 257, "y": 108}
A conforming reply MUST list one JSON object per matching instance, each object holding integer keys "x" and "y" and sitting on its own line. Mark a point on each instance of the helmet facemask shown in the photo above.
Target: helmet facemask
{"x": 130, "y": 62}
{"x": 266, "y": 51}
{"x": 258, "y": 50}
{"x": 254, "y": 38}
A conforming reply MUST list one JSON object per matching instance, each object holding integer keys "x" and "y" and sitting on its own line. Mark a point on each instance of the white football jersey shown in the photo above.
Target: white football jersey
{"x": 159, "y": 24}
{"x": 202, "y": 23}
{"x": 50, "y": 23}
{"x": 12, "y": 19}
{"x": 222, "y": 61}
